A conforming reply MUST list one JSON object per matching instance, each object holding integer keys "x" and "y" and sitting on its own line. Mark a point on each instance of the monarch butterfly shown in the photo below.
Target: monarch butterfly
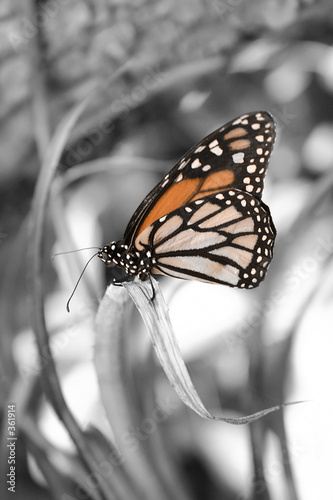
{"x": 205, "y": 219}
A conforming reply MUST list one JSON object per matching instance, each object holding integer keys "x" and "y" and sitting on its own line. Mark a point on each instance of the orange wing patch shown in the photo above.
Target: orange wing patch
{"x": 185, "y": 191}
{"x": 235, "y": 132}
{"x": 217, "y": 180}
{"x": 177, "y": 195}
{"x": 214, "y": 182}
{"x": 240, "y": 144}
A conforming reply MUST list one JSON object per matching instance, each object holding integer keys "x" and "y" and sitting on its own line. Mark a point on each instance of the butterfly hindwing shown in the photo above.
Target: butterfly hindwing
{"x": 224, "y": 238}
{"x": 234, "y": 156}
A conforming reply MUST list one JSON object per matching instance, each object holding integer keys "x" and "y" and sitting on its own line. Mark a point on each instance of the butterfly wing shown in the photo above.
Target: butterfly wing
{"x": 234, "y": 156}
{"x": 224, "y": 238}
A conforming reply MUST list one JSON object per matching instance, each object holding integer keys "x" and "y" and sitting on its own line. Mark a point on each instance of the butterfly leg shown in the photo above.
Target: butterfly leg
{"x": 153, "y": 288}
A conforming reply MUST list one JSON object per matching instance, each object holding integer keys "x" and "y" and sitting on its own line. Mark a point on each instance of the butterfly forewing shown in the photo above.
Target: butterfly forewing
{"x": 234, "y": 156}
{"x": 224, "y": 238}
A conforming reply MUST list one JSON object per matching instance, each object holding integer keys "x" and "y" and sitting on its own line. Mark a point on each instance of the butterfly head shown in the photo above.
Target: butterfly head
{"x": 114, "y": 254}
{"x": 131, "y": 262}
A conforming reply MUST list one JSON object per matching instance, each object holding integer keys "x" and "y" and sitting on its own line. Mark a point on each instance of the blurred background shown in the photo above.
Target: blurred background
{"x": 159, "y": 76}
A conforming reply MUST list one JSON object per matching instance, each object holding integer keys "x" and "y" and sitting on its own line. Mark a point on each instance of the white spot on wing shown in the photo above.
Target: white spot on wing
{"x": 251, "y": 168}
{"x": 217, "y": 151}
{"x": 238, "y": 157}
{"x": 196, "y": 163}
{"x": 183, "y": 164}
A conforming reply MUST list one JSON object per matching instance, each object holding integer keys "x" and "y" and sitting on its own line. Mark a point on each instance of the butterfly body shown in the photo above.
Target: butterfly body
{"x": 205, "y": 219}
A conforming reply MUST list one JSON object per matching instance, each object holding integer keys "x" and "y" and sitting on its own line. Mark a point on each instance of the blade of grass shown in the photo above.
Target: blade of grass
{"x": 67, "y": 468}
{"x": 155, "y": 316}
{"x": 60, "y": 486}
{"x": 12, "y": 269}
{"x": 37, "y": 220}
{"x": 38, "y": 81}
{"x": 156, "y": 412}
{"x": 116, "y": 393}
{"x": 49, "y": 377}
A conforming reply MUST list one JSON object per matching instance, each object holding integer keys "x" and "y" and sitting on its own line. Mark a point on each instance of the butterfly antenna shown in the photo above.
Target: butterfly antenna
{"x": 80, "y": 277}
{"x": 73, "y": 251}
